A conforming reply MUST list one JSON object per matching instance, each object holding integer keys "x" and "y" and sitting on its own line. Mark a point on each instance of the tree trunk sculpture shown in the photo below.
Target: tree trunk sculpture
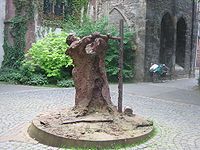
{"x": 89, "y": 74}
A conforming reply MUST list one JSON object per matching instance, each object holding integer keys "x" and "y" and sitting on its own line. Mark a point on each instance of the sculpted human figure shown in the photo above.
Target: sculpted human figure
{"x": 89, "y": 74}
{"x": 93, "y": 116}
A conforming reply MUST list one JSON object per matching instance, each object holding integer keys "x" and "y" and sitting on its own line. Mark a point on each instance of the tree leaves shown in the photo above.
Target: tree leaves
{"x": 49, "y": 54}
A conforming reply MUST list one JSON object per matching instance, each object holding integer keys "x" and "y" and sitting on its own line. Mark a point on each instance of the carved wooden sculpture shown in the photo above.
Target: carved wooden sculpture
{"x": 89, "y": 74}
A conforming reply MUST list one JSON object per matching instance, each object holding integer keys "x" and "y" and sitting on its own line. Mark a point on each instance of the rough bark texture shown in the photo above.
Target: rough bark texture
{"x": 91, "y": 84}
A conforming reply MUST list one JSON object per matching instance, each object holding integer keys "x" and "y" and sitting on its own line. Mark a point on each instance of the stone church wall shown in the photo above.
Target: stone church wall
{"x": 2, "y": 18}
{"x": 134, "y": 14}
{"x": 156, "y": 9}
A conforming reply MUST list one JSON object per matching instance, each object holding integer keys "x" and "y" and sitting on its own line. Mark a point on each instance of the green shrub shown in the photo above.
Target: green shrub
{"x": 26, "y": 70}
{"x": 20, "y": 77}
{"x": 112, "y": 58}
{"x": 88, "y": 26}
{"x": 44, "y": 63}
{"x": 37, "y": 79}
{"x": 65, "y": 83}
{"x": 10, "y": 75}
{"x": 48, "y": 55}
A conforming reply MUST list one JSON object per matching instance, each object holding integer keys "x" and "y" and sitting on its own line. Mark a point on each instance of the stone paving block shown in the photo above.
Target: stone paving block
{"x": 177, "y": 124}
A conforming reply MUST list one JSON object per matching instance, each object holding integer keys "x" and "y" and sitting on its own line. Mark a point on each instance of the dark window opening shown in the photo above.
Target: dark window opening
{"x": 166, "y": 40}
{"x": 181, "y": 42}
{"x": 57, "y": 9}
{"x": 68, "y": 8}
{"x": 48, "y": 7}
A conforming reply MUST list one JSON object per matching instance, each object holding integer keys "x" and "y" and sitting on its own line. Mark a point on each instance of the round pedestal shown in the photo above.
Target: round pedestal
{"x": 63, "y": 129}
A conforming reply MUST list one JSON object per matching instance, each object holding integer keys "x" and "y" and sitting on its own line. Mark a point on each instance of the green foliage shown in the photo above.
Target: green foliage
{"x": 65, "y": 83}
{"x": 14, "y": 48}
{"x": 10, "y": 75}
{"x": 77, "y": 5}
{"x": 37, "y": 79}
{"x": 44, "y": 63}
{"x": 20, "y": 77}
{"x": 48, "y": 55}
{"x": 14, "y": 52}
{"x": 25, "y": 8}
{"x": 88, "y": 26}
{"x": 113, "y": 56}
{"x": 72, "y": 11}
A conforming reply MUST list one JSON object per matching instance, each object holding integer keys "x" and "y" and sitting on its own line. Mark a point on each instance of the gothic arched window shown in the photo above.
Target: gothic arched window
{"x": 57, "y": 9}
{"x": 47, "y": 7}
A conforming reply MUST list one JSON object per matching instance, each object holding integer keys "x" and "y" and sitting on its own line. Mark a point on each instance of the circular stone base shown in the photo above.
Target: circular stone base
{"x": 63, "y": 128}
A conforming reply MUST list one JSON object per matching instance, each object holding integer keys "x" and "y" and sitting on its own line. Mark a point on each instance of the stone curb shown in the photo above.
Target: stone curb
{"x": 46, "y": 138}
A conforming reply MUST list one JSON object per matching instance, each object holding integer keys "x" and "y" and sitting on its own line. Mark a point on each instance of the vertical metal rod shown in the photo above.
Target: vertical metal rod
{"x": 120, "y": 76}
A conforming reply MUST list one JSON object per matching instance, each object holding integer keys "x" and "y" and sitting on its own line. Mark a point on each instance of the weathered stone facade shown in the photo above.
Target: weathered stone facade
{"x": 9, "y": 15}
{"x": 198, "y": 47}
{"x": 166, "y": 31}
{"x": 2, "y": 18}
{"x": 198, "y": 54}
{"x": 171, "y": 29}
{"x": 134, "y": 15}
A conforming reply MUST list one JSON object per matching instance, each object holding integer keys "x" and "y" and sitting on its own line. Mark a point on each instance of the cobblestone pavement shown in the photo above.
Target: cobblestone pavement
{"x": 177, "y": 123}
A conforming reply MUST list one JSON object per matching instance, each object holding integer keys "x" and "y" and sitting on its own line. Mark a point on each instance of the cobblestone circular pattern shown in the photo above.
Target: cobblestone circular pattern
{"x": 178, "y": 125}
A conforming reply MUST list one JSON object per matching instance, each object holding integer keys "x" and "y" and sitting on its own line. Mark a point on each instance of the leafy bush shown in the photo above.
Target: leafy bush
{"x": 113, "y": 56}
{"x": 88, "y": 26}
{"x": 65, "y": 83}
{"x": 48, "y": 55}
{"x": 37, "y": 79}
{"x": 46, "y": 61}
{"x": 18, "y": 77}
{"x": 10, "y": 75}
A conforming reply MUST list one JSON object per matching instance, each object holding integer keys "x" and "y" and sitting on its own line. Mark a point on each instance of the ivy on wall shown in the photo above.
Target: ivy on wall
{"x": 15, "y": 33}
{"x": 72, "y": 10}
{"x": 78, "y": 4}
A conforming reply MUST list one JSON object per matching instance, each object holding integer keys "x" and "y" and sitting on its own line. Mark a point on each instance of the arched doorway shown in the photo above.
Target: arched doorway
{"x": 181, "y": 42}
{"x": 166, "y": 40}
